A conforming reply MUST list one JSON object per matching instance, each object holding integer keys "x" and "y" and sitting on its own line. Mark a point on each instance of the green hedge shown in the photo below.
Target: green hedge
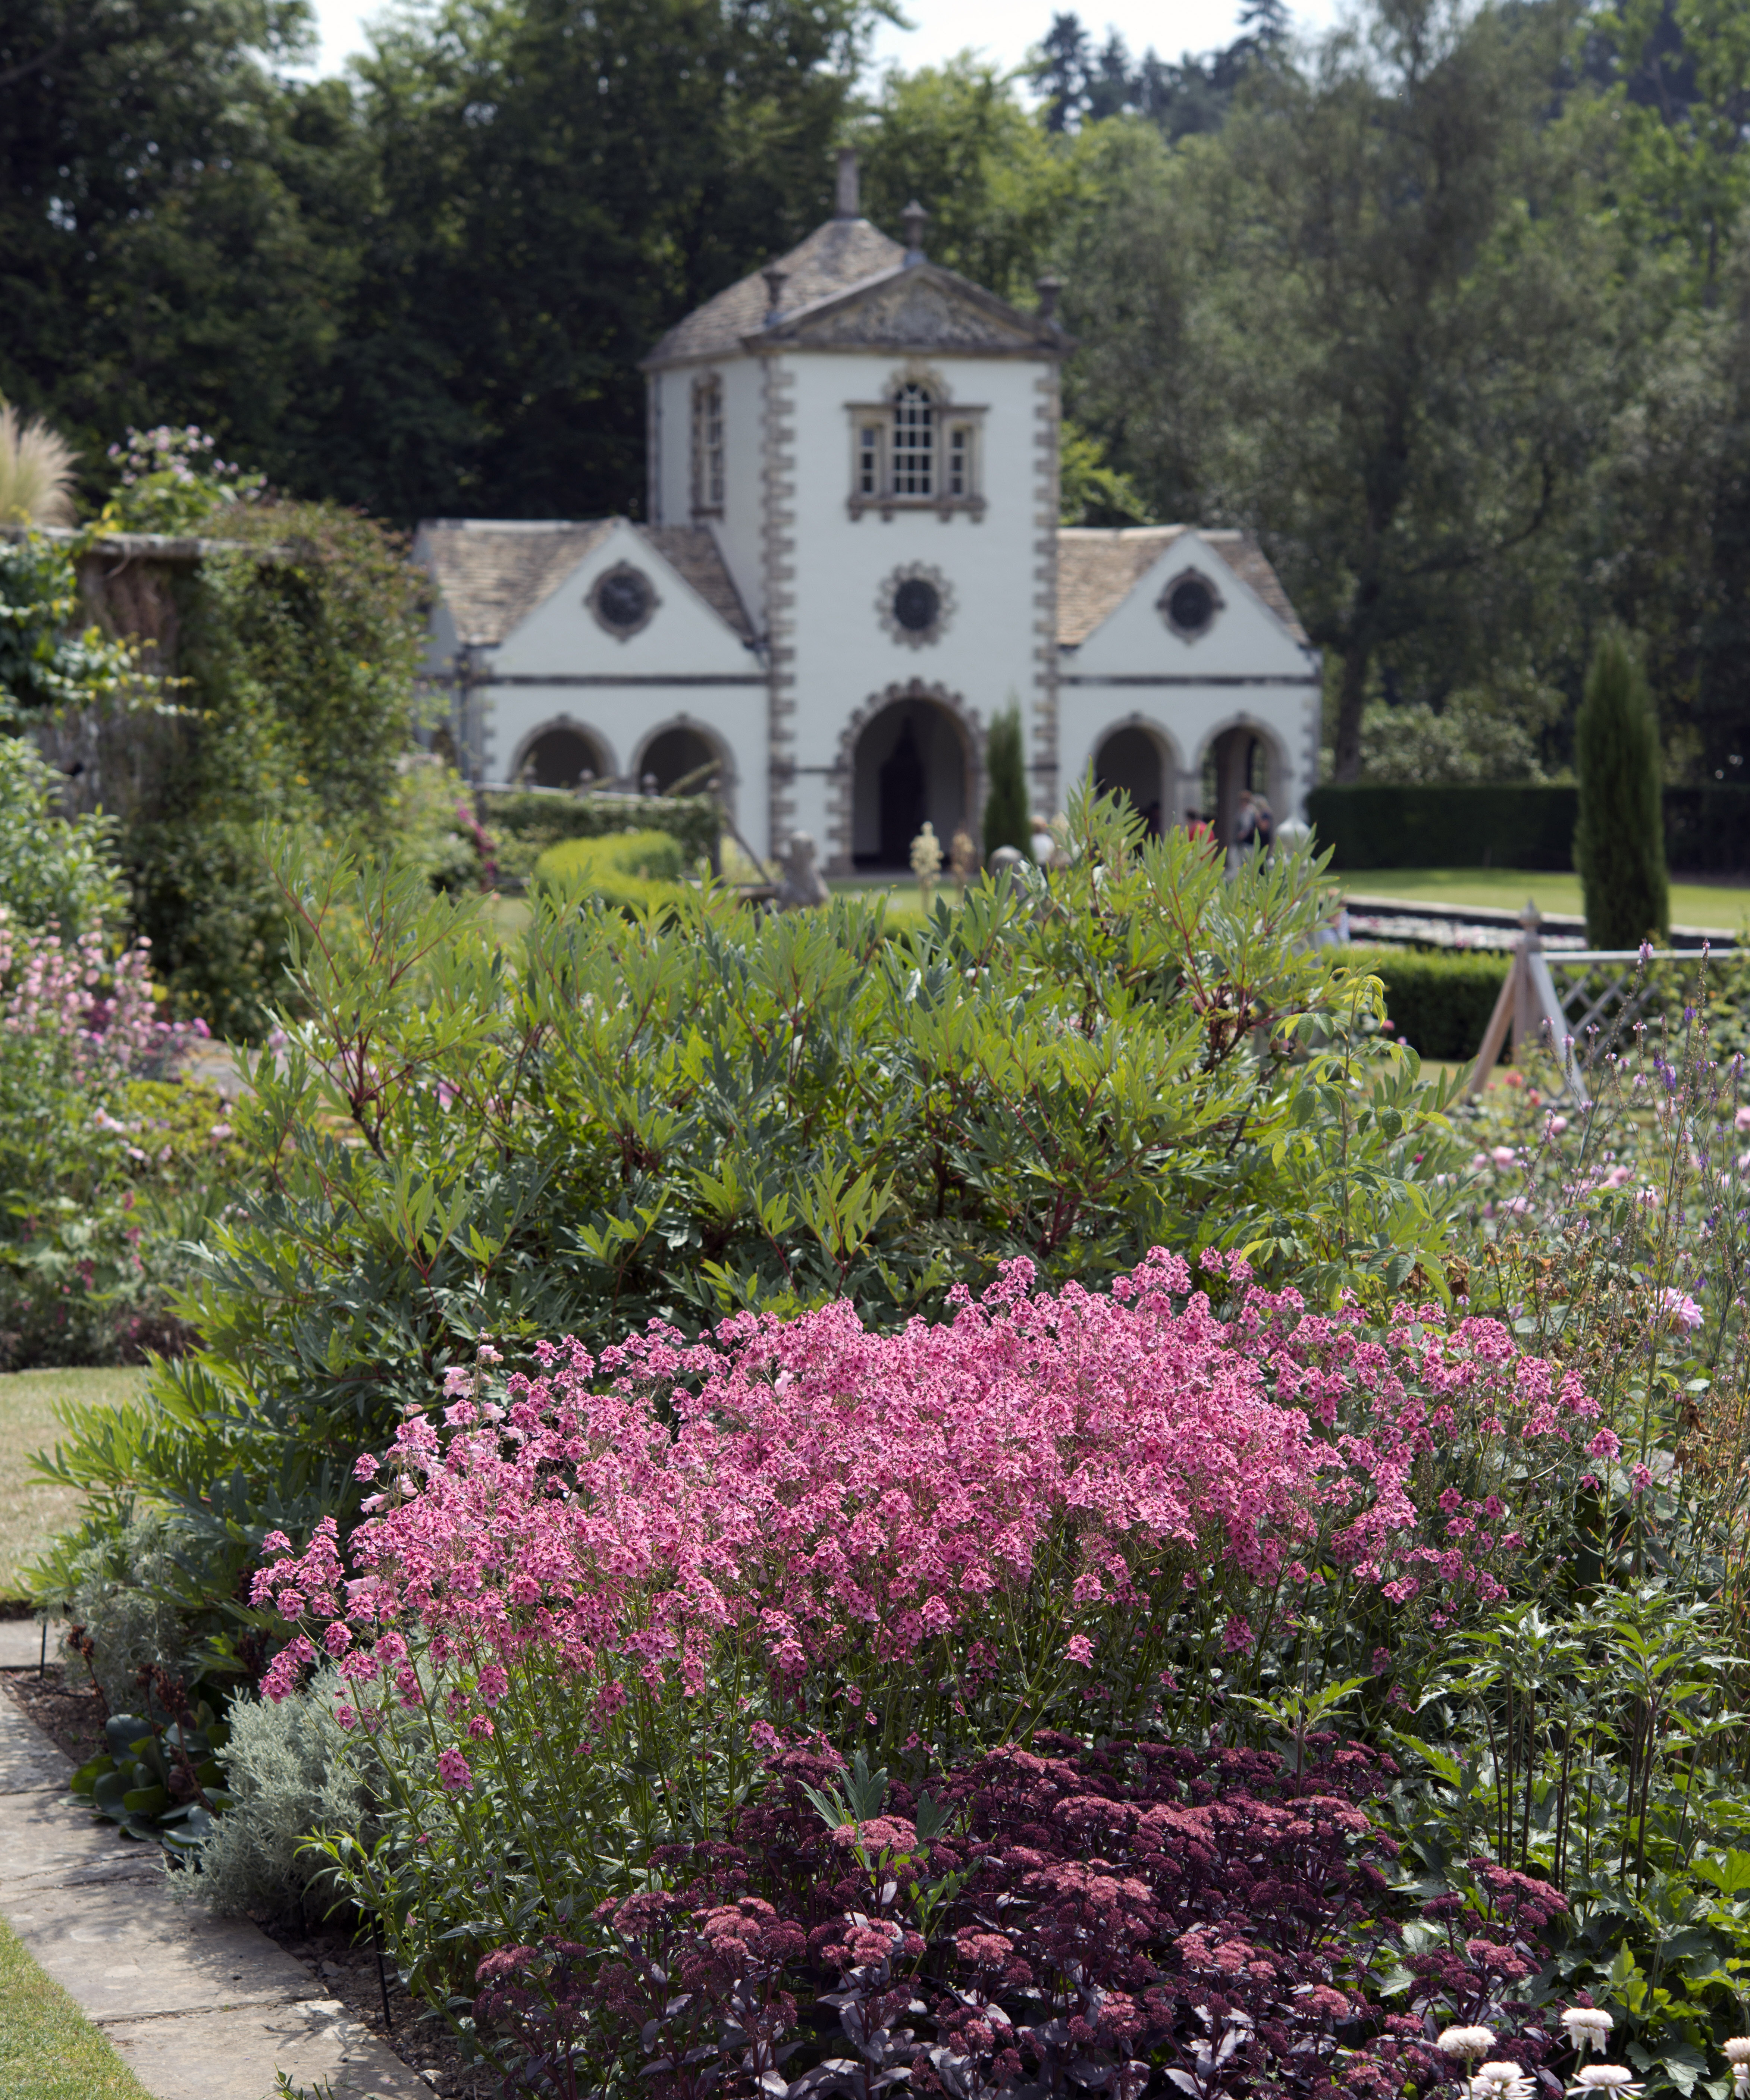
{"x": 1446, "y": 826}
{"x": 635, "y": 870}
{"x": 524, "y": 825}
{"x": 1439, "y": 1000}
{"x": 1707, "y": 828}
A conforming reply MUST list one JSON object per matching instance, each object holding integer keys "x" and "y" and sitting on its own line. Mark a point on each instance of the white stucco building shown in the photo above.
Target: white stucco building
{"x": 853, "y": 563}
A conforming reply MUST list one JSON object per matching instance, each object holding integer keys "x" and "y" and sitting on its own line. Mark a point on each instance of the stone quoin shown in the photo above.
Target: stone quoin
{"x": 851, "y": 562}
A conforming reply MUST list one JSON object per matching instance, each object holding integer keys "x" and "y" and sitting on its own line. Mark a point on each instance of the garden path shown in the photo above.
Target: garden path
{"x": 201, "y": 2009}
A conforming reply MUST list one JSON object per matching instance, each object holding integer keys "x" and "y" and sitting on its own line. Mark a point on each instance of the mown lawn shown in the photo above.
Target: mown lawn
{"x": 48, "y": 2049}
{"x": 32, "y": 1510}
{"x": 1724, "y": 905}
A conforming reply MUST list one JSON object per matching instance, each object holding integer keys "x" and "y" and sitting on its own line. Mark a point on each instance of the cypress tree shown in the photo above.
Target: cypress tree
{"x": 1620, "y": 841}
{"x": 1006, "y": 810}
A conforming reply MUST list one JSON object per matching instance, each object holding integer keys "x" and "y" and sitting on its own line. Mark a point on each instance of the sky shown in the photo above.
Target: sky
{"x": 997, "y": 29}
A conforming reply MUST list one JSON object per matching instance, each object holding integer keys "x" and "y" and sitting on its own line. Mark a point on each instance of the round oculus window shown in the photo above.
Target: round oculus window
{"x": 1191, "y": 605}
{"x": 623, "y": 598}
{"x": 917, "y": 604}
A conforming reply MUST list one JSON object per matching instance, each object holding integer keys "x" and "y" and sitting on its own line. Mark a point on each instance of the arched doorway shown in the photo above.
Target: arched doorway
{"x": 1237, "y": 762}
{"x": 1129, "y": 762}
{"x": 563, "y": 757}
{"x": 910, "y": 768}
{"x": 674, "y": 755}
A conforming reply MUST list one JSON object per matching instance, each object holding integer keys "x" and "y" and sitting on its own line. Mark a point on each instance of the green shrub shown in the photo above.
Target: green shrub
{"x": 633, "y": 872}
{"x": 524, "y": 824}
{"x": 1438, "y": 1002}
{"x": 288, "y": 1772}
{"x": 1619, "y": 838}
{"x": 1008, "y": 805}
{"x": 52, "y": 870}
{"x": 682, "y": 1121}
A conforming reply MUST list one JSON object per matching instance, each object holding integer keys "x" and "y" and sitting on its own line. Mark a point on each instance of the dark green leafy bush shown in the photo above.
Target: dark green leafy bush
{"x": 628, "y": 1122}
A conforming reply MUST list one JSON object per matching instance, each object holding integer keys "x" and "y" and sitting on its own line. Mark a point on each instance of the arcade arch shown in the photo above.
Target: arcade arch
{"x": 1134, "y": 759}
{"x": 913, "y": 762}
{"x": 563, "y": 755}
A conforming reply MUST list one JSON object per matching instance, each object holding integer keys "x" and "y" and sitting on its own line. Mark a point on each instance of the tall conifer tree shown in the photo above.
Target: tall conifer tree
{"x": 1620, "y": 841}
{"x": 1006, "y": 810}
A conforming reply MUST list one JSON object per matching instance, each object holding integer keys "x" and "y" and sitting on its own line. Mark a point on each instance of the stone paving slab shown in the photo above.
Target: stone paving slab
{"x": 209, "y": 2057}
{"x": 130, "y": 1951}
{"x": 202, "y": 2008}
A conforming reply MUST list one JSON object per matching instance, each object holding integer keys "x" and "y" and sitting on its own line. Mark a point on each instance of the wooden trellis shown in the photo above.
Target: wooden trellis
{"x": 1553, "y": 1001}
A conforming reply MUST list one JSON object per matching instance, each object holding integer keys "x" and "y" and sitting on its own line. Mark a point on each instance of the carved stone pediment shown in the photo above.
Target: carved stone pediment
{"x": 916, "y": 312}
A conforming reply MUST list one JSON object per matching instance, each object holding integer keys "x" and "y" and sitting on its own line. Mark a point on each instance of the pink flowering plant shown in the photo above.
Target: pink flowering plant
{"x": 587, "y": 1601}
{"x": 79, "y": 1030}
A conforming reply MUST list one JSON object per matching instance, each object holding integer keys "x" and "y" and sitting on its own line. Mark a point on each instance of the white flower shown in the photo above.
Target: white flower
{"x": 1606, "y": 2081}
{"x": 1587, "y": 2026}
{"x": 1467, "y": 2042}
{"x": 1738, "y": 2055}
{"x": 1499, "y": 2081}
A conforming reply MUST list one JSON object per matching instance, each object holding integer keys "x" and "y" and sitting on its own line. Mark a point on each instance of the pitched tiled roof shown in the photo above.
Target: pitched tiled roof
{"x": 1245, "y": 558}
{"x": 1097, "y": 569}
{"x": 493, "y": 572}
{"x": 691, "y": 549}
{"x": 834, "y": 257}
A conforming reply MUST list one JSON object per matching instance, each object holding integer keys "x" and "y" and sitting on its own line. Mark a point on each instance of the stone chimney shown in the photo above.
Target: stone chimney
{"x": 913, "y": 218}
{"x": 1047, "y": 287}
{"x": 774, "y": 288}
{"x": 849, "y": 202}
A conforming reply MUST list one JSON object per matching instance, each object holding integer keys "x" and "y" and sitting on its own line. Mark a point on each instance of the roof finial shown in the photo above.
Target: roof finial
{"x": 774, "y": 287}
{"x": 1047, "y": 287}
{"x": 913, "y": 218}
{"x": 849, "y": 202}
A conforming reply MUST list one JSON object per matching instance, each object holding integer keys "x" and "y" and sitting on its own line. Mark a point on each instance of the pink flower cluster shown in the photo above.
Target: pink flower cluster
{"x": 101, "y": 1016}
{"x": 855, "y": 1508}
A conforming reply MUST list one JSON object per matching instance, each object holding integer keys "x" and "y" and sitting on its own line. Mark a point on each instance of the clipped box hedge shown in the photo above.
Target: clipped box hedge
{"x": 631, "y": 871}
{"x": 1707, "y": 828}
{"x": 524, "y": 824}
{"x": 1446, "y": 826}
{"x": 1439, "y": 1000}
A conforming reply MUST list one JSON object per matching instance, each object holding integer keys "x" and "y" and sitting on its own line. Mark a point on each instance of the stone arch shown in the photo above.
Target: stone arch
{"x": 946, "y": 743}
{"x": 1242, "y": 752}
{"x": 558, "y": 754}
{"x": 680, "y": 746}
{"x": 1136, "y": 757}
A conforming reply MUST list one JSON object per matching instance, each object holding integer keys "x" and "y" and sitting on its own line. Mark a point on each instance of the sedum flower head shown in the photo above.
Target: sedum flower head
{"x": 1467, "y": 2042}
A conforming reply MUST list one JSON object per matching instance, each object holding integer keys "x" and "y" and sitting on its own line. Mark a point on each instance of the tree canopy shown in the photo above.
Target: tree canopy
{"x": 1449, "y": 306}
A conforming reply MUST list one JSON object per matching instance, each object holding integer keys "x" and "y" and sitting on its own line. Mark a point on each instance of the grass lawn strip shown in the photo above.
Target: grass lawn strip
{"x": 32, "y": 1510}
{"x": 1724, "y": 905}
{"x": 48, "y": 2049}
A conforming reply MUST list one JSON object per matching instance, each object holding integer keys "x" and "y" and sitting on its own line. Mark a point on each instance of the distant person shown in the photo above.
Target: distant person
{"x": 1201, "y": 831}
{"x": 1245, "y": 820}
{"x": 1263, "y": 823}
